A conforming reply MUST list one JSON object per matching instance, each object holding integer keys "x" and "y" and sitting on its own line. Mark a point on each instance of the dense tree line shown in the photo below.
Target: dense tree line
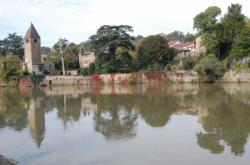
{"x": 225, "y": 37}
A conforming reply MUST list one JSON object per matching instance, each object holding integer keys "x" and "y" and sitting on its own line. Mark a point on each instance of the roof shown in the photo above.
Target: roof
{"x": 171, "y": 43}
{"x": 32, "y": 33}
{"x": 184, "y": 44}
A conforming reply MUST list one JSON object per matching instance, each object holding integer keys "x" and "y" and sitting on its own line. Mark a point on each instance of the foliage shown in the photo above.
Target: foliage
{"x": 23, "y": 72}
{"x": 176, "y": 35}
{"x": 154, "y": 51}
{"x": 207, "y": 21}
{"x": 189, "y": 63}
{"x": 233, "y": 22}
{"x": 73, "y": 49}
{"x": 241, "y": 46}
{"x": 9, "y": 66}
{"x": 189, "y": 37}
{"x": 210, "y": 67}
{"x": 207, "y": 24}
{"x": 84, "y": 71}
{"x": 180, "y": 36}
{"x": 45, "y": 50}
{"x": 218, "y": 36}
{"x": 71, "y": 62}
{"x": 13, "y": 44}
{"x": 88, "y": 71}
{"x": 112, "y": 45}
{"x": 86, "y": 46}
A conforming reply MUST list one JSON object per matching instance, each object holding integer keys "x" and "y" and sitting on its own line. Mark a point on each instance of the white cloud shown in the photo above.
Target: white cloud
{"x": 77, "y": 20}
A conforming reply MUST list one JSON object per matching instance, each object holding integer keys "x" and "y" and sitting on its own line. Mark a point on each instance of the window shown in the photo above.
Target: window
{"x": 35, "y": 40}
{"x": 27, "y": 40}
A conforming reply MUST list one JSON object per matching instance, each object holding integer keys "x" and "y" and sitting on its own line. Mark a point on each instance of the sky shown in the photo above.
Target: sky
{"x": 77, "y": 20}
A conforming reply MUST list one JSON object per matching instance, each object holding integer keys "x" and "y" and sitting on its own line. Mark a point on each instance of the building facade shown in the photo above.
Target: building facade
{"x": 86, "y": 58}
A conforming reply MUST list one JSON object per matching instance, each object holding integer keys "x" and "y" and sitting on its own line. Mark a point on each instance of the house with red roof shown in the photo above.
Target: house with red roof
{"x": 184, "y": 48}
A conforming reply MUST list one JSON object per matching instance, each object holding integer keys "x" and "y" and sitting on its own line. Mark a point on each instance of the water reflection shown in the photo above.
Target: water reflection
{"x": 222, "y": 110}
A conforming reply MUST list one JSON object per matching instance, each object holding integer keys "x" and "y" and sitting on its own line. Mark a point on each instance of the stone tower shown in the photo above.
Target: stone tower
{"x": 32, "y": 45}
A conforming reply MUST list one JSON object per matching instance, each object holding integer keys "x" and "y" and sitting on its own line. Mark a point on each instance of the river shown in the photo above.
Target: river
{"x": 173, "y": 124}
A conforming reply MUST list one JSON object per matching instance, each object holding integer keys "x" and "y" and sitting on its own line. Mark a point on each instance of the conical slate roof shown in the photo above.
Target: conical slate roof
{"x": 32, "y": 33}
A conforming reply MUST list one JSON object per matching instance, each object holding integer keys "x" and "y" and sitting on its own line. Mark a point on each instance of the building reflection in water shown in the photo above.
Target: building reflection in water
{"x": 116, "y": 112}
{"x": 36, "y": 121}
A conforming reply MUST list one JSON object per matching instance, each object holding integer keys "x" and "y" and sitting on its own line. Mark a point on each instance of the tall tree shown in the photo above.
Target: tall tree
{"x": 232, "y": 24}
{"x": 106, "y": 42}
{"x": 207, "y": 25}
{"x": 241, "y": 46}
{"x": 13, "y": 44}
{"x": 154, "y": 51}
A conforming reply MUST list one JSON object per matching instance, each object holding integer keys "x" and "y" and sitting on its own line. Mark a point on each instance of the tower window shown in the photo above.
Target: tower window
{"x": 27, "y": 40}
{"x": 35, "y": 40}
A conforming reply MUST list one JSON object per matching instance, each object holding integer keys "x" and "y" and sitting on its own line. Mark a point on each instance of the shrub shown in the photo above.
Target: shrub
{"x": 23, "y": 72}
{"x": 189, "y": 63}
{"x": 210, "y": 67}
{"x": 85, "y": 71}
{"x": 92, "y": 68}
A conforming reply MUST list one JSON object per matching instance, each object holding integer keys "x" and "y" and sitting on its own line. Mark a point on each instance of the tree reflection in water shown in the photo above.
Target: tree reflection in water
{"x": 227, "y": 123}
{"x": 222, "y": 110}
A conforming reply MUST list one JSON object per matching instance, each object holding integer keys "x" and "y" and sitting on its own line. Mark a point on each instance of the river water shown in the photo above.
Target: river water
{"x": 127, "y": 125}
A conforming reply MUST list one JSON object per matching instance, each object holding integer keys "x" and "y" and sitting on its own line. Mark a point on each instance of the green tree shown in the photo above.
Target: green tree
{"x": 45, "y": 50}
{"x": 13, "y": 44}
{"x": 9, "y": 66}
{"x": 154, "y": 51}
{"x": 231, "y": 25}
{"x": 71, "y": 62}
{"x": 241, "y": 46}
{"x": 206, "y": 23}
{"x": 73, "y": 49}
{"x": 189, "y": 37}
{"x": 106, "y": 43}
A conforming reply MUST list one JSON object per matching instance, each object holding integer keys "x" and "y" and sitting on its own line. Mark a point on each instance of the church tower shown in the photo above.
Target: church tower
{"x": 32, "y": 46}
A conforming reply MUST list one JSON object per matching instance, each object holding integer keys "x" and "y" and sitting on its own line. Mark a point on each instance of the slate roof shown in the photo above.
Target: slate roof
{"x": 32, "y": 33}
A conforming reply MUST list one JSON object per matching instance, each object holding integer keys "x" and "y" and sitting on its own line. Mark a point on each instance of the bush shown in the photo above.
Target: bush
{"x": 188, "y": 63}
{"x": 210, "y": 67}
{"x": 23, "y": 72}
{"x": 85, "y": 71}
{"x": 92, "y": 68}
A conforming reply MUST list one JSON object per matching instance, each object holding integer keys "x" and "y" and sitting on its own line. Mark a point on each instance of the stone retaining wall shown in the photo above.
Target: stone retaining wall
{"x": 122, "y": 78}
{"x": 236, "y": 77}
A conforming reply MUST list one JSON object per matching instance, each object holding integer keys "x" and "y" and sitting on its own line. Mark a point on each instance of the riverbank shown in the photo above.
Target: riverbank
{"x": 242, "y": 76}
{"x": 5, "y": 161}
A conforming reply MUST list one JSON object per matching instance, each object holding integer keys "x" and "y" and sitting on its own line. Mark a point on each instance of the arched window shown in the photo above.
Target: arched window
{"x": 35, "y": 40}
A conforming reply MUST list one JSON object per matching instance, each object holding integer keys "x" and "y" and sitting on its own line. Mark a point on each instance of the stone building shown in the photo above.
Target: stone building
{"x": 32, "y": 54}
{"x": 86, "y": 58}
